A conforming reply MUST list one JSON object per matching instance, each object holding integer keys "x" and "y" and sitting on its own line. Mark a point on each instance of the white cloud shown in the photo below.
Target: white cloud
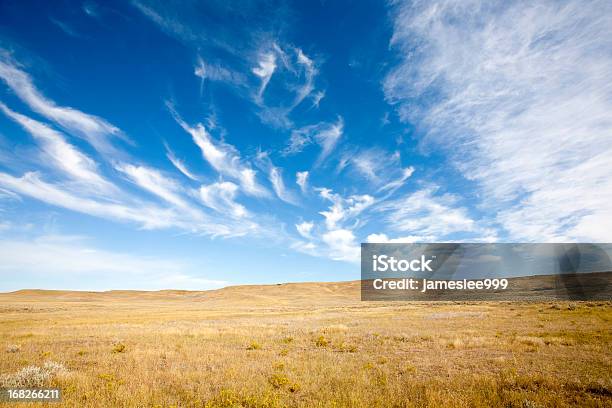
{"x": 524, "y": 105}
{"x": 410, "y": 239}
{"x": 149, "y": 216}
{"x": 179, "y": 164}
{"x": 393, "y": 185}
{"x": 296, "y": 72}
{"x": 328, "y": 138}
{"x": 343, "y": 209}
{"x": 153, "y": 181}
{"x": 276, "y": 179}
{"x": 63, "y": 155}
{"x": 91, "y": 9}
{"x": 169, "y": 25}
{"x": 264, "y": 70}
{"x": 301, "y": 178}
{"x": 305, "y": 229}
{"x": 422, "y": 213}
{"x": 317, "y": 97}
{"x": 89, "y": 127}
{"x": 222, "y": 157}
{"x": 63, "y": 258}
{"x": 310, "y": 72}
{"x": 325, "y": 134}
{"x": 221, "y": 197}
{"x": 67, "y": 29}
{"x": 212, "y": 72}
{"x": 342, "y": 246}
{"x": 380, "y": 168}
{"x": 374, "y": 163}
{"x": 31, "y": 185}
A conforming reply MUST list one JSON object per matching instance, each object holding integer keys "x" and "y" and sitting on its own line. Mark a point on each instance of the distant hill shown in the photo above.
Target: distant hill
{"x": 314, "y": 294}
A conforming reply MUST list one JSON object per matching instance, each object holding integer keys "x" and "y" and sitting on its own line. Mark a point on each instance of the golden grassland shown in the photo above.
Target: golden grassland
{"x": 303, "y": 345}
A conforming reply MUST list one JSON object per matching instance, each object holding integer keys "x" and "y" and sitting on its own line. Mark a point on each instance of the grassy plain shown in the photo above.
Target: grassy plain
{"x": 303, "y": 345}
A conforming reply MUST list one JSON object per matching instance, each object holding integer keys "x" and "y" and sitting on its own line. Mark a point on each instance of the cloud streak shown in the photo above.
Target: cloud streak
{"x": 93, "y": 129}
{"x": 221, "y": 198}
{"x": 523, "y": 109}
{"x": 222, "y": 157}
{"x": 179, "y": 164}
{"x": 64, "y": 156}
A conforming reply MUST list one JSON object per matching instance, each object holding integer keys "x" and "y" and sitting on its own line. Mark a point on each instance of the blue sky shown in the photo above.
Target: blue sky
{"x": 156, "y": 144}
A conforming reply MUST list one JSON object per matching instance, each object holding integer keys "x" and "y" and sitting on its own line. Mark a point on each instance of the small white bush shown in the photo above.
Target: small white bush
{"x": 13, "y": 348}
{"x": 33, "y": 376}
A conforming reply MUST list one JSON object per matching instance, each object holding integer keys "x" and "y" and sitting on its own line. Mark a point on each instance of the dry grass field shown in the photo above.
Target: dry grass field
{"x": 303, "y": 345}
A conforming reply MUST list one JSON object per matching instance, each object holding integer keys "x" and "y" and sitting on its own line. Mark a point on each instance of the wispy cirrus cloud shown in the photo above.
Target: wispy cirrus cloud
{"x": 266, "y": 65}
{"x": 278, "y": 184}
{"x": 221, "y": 197}
{"x": 62, "y": 155}
{"x": 424, "y": 213}
{"x": 93, "y": 129}
{"x": 275, "y": 176}
{"x": 307, "y": 87}
{"x": 301, "y": 179}
{"x": 214, "y": 72}
{"x": 179, "y": 164}
{"x": 169, "y": 24}
{"x": 74, "y": 258}
{"x": 296, "y": 72}
{"x": 222, "y": 157}
{"x": 523, "y": 102}
{"x": 147, "y": 214}
{"x": 153, "y": 181}
{"x": 343, "y": 209}
{"x": 67, "y": 29}
{"x": 325, "y": 134}
{"x": 31, "y": 184}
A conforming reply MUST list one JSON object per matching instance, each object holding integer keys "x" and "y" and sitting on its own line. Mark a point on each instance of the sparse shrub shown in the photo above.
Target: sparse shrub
{"x": 254, "y": 346}
{"x": 294, "y": 387}
{"x": 279, "y": 366}
{"x": 321, "y": 341}
{"x": 347, "y": 348}
{"x": 230, "y": 398}
{"x": 54, "y": 368}
{"x": 33, "y": 376}
{"x": 278, "y": 380}
{"x": 283, "y": 352}
{"x": 288, "y": 340}
{"x": 335, "y": 328}
{"x": 530, "y": 404}
{"x": 427, "y": 338}
{"x": 119, "y": 348}
{"x": 13, "y": 348}
{"x": 531, "y": 341}
{"x": 571, "y": 306}
{"x": 455, "y": 344}
{"x": 555, "y": 307}
{"x": 407, "y": 368}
